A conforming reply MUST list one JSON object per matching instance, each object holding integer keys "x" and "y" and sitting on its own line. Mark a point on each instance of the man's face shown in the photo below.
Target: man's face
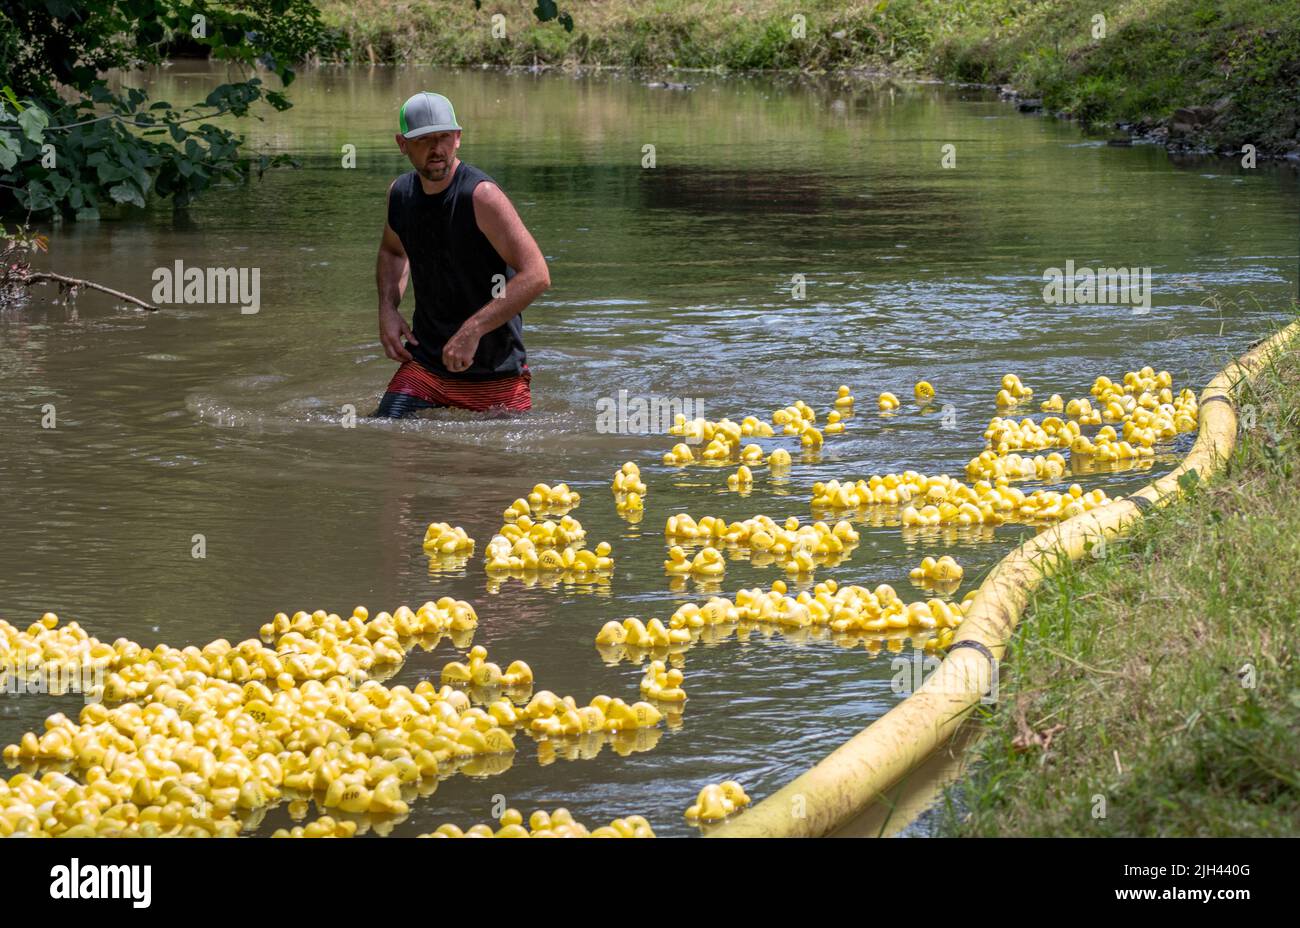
{"x": 431, "y": 155}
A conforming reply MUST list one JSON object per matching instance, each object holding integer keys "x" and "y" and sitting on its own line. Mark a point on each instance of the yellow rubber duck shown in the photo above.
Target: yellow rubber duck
{"x": 717, "y": 801}
{"x": 843, "y": 398}
{"x": 680, "y": 455}
{"x": 662, "y": 684}
{"x": 628, "y": 480}
{"x": 944, "y": 569}
{"x": 678, "y": 564}
{"x": 742, "y": 479}
{"x": 923, "y": 391}
{"x": 708, "y": 563}
{"x": 443, "y": 538}
{"x": 888, "y": 402}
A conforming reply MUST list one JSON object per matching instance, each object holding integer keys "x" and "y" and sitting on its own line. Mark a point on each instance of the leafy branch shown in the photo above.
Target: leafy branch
{"x": 69, "y": 145}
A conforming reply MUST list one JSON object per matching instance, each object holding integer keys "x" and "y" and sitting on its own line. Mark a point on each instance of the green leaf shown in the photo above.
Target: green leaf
{"x": 126, "y": 192}
{"x": 10, "y": 149}
{"x": 278, "y": 100}
{"x": 111, "y": 173}
{"x": 33, "y": 121}
{"x": 35, "y": 197}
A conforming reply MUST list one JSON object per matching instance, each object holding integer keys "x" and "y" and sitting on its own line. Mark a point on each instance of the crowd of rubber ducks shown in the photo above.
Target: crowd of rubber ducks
{"x": 481, "y": 672}
{"x": 526, "y": 545}
{"x": 1004, "y": 436}
{"x": 557, "y": 824}
{"x": 945, "y": 500}
{"x": 543, "y": 500}
{"x": 541, "y": 824}
{"x": 628, "y": 480}
{"x": 798, "y": 548}
{"x": 506, "y": 557}
{"x": 642, "y": 635}
{"x": 551, "y": 715}
{"x": 442, "y": 538}
{"x": 841, "y": 609}
{"x": 991, "y": 466}
{"x": 449, "y": 547}
{"x": 629, "y": 489}
{"x": 716, "y": 802}
{"x": 194, "y": 741}
{"x": 324, "y": 827}
{"x": 203, "y": 740}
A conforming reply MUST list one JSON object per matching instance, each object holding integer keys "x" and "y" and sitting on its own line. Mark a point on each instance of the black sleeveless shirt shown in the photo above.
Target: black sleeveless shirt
{"x": 453, "y": 270}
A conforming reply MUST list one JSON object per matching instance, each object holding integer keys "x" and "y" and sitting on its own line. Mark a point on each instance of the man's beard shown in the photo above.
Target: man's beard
{"x": 434, "y": 174}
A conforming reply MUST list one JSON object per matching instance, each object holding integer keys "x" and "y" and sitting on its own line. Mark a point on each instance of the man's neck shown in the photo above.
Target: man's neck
{"x": 439, "y": 186}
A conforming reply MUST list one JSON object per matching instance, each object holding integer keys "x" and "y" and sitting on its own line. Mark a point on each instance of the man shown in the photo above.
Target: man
{"x": 457, "y": 237}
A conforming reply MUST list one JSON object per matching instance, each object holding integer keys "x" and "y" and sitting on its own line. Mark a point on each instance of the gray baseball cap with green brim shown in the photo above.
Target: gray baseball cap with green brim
{"x": 425, "y": 113}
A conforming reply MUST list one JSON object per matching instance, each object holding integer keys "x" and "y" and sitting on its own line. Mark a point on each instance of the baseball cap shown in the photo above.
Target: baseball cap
{"x": 426, "y": 112}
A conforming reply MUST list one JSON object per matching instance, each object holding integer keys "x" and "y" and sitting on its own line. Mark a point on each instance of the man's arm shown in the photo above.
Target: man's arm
{"x": 392, "y": 271}
{"x": 497, "y": 219}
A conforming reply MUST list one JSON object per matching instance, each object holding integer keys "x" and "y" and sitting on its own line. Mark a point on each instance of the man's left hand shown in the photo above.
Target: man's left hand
{"x": 458, "y": 353}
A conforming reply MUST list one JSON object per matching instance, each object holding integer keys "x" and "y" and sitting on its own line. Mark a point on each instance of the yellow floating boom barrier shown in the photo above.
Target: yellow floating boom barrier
{"x": 857, "y": 774}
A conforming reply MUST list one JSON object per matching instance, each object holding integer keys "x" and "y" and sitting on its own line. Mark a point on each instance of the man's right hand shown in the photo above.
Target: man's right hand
{"x": 392, "y": 329}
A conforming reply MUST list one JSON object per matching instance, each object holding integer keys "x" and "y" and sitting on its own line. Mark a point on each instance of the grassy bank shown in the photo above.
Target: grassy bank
{"x": 1162, "y": 679}
{"x": 1210, "y": 73}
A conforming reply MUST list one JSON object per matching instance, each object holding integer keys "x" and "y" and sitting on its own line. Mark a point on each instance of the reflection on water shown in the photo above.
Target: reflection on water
{"x": 674, "y": 281}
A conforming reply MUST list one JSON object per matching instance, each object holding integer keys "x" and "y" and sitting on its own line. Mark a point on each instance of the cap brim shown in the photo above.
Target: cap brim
{"x": 426, "y": 130}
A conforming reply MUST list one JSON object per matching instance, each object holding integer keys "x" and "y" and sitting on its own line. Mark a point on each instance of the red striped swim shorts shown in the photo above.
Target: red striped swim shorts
{"x": 415, "y": 387}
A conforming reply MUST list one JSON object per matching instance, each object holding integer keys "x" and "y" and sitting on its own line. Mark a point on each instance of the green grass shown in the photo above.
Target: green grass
{"x": 1241, "y": 56}
{"x": 1138, "y": 663}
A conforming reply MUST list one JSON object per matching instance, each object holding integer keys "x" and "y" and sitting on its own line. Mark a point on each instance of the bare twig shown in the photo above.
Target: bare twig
{"x": 37, "y": 277}
{"x": 121, "y": 117}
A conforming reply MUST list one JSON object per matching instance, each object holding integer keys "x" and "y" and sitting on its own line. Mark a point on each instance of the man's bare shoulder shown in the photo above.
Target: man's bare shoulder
{"x": 487, "y": 193}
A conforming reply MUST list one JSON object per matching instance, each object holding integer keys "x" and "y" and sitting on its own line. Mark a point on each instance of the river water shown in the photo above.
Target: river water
{"x": 671, "y": 281}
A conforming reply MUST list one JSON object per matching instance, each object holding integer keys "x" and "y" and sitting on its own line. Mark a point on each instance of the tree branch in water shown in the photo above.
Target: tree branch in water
{"x": 72, "y": 283}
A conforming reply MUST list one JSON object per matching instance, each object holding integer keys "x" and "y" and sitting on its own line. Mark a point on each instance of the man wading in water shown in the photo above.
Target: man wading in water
{"x": 457, "y": 237}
